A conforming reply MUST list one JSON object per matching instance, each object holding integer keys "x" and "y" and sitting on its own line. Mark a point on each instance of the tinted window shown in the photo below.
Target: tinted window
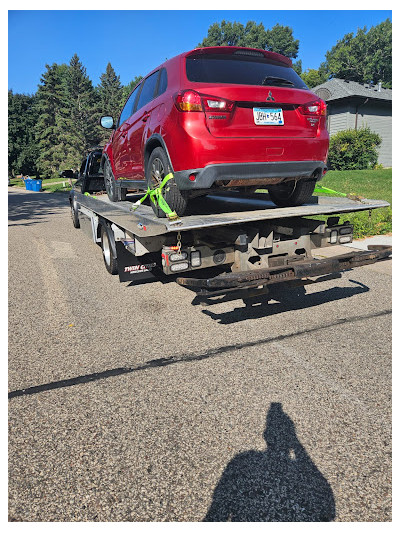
{"x": 147, "y": 93}
{"x": 162, "y": 84}
{"x": 82, "y": 169}
{"x": 128, "y": 107}
{"x": 95, "y": 164}
{"x": 241, "y": 71}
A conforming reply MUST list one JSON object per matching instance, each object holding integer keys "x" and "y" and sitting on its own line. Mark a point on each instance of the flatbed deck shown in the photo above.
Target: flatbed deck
{"x": 217, "y": 210}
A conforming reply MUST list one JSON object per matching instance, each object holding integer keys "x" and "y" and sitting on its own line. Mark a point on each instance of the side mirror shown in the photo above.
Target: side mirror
{"x": 107, "y": 122}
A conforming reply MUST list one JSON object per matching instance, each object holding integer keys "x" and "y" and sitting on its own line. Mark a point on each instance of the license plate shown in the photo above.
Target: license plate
{"x": 267, "y": 116}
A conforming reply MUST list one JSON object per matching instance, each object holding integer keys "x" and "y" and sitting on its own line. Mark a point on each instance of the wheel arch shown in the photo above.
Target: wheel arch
{"x": 155, "y": 141}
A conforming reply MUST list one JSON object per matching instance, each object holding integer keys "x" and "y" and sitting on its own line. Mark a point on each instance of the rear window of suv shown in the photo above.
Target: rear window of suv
{"x": 241, "y": 70}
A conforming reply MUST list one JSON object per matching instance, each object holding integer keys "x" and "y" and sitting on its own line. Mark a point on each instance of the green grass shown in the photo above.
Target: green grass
{"x": 57, "y": 187}
{"x": 50, "y": 184}
{"x": 372, "y": 184}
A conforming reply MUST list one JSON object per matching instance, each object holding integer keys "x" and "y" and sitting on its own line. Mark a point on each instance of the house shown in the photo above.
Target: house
{"x": 352, "y": 105}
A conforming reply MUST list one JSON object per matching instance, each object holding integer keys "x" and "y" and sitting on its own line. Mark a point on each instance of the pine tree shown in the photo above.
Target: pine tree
{"x": 79, "y": 118}
{"x": 22, "y": 148}
{"x": 49, "y": 105}
{"x": 109, "y": 93}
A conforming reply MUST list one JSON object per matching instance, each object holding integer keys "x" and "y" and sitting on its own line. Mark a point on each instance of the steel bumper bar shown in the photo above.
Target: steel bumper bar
{"x": 294, "y": 271}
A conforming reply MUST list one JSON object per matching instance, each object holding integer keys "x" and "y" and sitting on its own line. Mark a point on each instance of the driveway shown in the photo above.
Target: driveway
{"x": 130, "y": 403}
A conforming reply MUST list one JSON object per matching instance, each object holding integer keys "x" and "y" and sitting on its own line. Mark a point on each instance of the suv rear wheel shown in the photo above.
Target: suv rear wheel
{"x": 292, "y": 193}
{"x": 115, "y": 194}
{"x": 157, "y": 168}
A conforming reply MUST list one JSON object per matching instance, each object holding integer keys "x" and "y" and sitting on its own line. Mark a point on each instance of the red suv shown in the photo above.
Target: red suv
{"x": 219, "y": 118}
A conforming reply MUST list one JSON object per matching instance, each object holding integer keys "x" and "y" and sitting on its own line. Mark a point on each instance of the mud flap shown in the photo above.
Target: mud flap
{"x": 132, "y": 268}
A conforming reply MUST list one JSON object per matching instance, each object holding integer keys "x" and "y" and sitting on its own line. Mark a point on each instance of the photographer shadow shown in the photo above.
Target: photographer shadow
{"x": 280, "y": 484}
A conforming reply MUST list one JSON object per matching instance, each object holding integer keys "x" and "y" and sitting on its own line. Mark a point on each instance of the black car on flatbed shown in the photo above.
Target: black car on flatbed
{"x": 90, "y": 176}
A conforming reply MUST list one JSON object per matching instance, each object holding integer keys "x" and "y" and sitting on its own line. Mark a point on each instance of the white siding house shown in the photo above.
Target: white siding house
{"x": 352, "y": 105}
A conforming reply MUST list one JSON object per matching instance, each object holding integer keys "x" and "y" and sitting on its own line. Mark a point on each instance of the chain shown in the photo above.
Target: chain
{"x": 179, "y": 243}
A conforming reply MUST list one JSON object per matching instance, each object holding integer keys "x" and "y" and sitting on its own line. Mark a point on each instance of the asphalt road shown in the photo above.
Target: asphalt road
{"x": 130, "y": 403}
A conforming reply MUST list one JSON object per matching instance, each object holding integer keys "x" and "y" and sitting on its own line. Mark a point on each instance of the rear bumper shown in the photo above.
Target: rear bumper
{"x": 207, "y": 176}
{"x": 298, "y": 271}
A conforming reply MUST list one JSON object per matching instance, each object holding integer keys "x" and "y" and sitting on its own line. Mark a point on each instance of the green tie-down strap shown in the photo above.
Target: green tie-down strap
{"x": 157, "y": 198}
{"x": 320, "y": 188}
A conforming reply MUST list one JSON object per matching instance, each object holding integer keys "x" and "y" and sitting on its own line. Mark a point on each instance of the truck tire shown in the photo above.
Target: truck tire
{"x": 113, "y": 192}
{"x": 292, "y": 193}
{"x": 157, "y": 168}
{"x": 109, "y": 261}
{"x": 74, "y": 214}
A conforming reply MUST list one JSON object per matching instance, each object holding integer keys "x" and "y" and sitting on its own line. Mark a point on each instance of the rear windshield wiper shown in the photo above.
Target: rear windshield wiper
{"x": 274, "y": 80}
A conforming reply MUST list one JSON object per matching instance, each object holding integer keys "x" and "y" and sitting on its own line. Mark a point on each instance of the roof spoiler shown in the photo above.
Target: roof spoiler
{"x": 240, "y": 50}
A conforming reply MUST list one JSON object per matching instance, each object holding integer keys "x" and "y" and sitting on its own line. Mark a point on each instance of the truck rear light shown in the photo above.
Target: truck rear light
{"x": 219, "y": 257}
{"x": 334, "y": 237}
{"x": 315, "y": 108}
{"x": 178, "y": 257}
{"x": 177, "y": 267}
{"x": 195, "y": 258}
{"x": 188, "y": 101}
{"x": 346, "y": 238}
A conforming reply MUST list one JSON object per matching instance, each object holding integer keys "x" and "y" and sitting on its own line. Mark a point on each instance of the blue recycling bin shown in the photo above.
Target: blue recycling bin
{"x": 28, "y": 184}
{"x": 36, "y": 185}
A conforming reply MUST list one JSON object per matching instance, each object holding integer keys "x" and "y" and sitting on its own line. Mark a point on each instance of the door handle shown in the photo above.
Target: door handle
{"x": 145, "y": 116}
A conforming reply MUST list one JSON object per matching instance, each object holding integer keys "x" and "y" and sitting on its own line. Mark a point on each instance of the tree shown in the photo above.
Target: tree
{"x": 278, "y": 39}
{"x": 365, "y": 57}
{"x": 313, "y": 77}
{"x": 298, "y": 67}
{"x": 22, "y": 148}
{"x": 110, "y": 92}
{"x": 49, "y": 106}
{"x": 78, "y": 124}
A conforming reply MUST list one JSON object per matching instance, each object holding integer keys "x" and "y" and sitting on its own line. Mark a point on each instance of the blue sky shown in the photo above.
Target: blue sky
{"x": 137, "y": 41}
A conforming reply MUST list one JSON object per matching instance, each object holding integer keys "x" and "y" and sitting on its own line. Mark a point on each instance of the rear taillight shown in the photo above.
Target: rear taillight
{"x": 190, "y": 100}
{"x": 211, "y": 103}
{"x": 315, "y": 108}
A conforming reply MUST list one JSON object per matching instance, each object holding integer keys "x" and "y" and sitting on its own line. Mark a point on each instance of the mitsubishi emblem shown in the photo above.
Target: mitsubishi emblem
{"x": 270, "y": 98}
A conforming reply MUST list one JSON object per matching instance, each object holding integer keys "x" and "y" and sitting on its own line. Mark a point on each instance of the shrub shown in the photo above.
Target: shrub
{"x": 354, "y": 149}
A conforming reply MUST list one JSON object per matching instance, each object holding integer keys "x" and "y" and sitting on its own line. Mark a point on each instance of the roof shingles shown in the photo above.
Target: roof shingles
{"x": 339, "y": 88}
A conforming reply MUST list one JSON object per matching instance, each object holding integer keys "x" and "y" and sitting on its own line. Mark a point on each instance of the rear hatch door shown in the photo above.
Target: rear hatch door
{"x": 266, "y": 95}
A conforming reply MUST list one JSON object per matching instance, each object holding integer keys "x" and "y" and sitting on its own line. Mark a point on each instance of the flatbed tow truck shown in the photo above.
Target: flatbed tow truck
{"x": 229, "y": 245}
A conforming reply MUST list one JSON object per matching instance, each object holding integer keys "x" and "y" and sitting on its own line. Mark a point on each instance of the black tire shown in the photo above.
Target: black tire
{"x": 113, "y": 192}
{"x": 109, "y": 261}
{"x": 74, "y": 214}
{"x": 292, "y": 193}
{"x": 157, "y": 168}
{"x": 122, "y": 194}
